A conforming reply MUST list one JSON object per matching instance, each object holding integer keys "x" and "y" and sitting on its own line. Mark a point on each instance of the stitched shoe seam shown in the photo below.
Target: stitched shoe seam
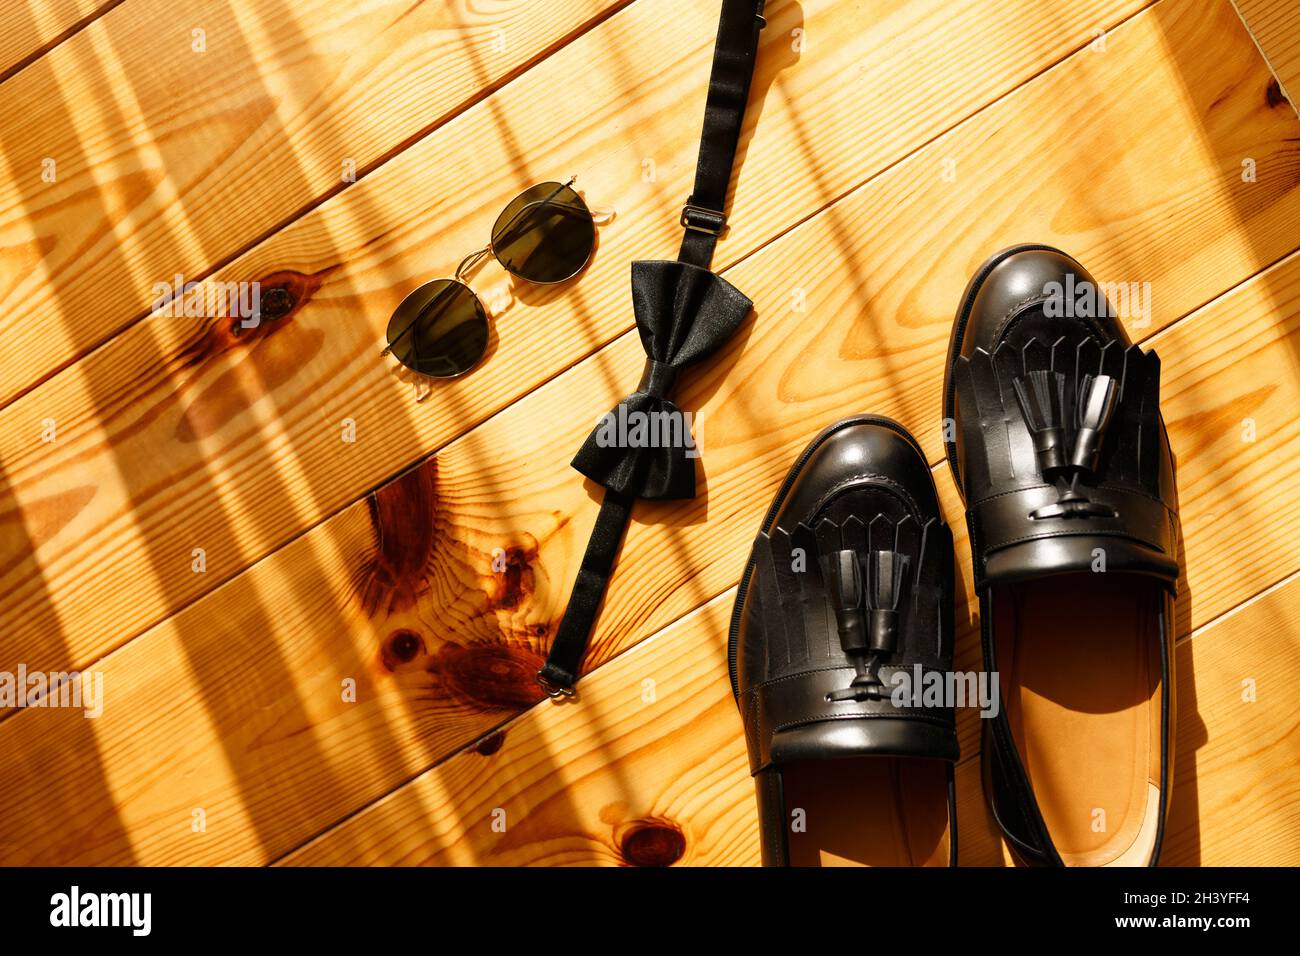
{"x": 890, "y": 485}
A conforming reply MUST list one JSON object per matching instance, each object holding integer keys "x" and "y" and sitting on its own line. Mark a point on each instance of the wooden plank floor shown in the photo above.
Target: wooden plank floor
{"x": 346, "y": 154}
{"x": 1273, "y": 25}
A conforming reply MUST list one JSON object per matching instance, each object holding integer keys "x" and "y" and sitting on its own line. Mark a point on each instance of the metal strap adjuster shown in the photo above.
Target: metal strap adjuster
{"x": 553, "y": 690}
{"x": 702, "y": 219}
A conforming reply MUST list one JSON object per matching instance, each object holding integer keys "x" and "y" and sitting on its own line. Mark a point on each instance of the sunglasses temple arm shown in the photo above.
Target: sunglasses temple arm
{"x": 398, "y": 337}
{"x": 410, "y": 325}
{"x": 574, "y": 212}
{"x": 548, "y": 201}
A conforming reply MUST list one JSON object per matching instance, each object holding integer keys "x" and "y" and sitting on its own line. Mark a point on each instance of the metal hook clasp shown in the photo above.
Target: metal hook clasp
{"x": 553, "y": 690}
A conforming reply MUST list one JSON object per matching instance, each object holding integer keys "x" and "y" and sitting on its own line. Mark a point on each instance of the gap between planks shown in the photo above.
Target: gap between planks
{"x": 68, "y": 33}
{"x": 437, "y": 446}
{"x": 938, "y": 469}
{"x": 216, "y": 265}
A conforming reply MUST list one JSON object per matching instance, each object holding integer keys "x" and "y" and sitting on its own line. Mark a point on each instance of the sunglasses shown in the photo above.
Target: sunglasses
{"x": 545, "y": 235}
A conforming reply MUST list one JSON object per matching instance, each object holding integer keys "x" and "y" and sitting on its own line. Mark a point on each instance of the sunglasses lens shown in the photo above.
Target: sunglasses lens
{"x": 546, "y": 234}
{"x": 439, "y": 330}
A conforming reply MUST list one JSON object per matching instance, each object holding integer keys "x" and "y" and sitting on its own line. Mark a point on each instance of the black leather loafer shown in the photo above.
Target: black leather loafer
{"x": 1063, "y": 461}
{"x": 846, "y": 595}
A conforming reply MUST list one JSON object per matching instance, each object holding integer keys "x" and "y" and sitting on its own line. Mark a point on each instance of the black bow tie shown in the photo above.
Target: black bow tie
{"x": 643, "y": 447}
{"x": 683, "y": 313}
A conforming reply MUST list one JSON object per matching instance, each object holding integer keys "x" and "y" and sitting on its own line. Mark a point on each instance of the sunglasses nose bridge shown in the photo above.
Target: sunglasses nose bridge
{"x": 470, "y": 261}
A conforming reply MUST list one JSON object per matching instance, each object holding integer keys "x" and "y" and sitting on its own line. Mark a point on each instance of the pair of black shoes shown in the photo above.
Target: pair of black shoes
{"x": 841, "y": 643}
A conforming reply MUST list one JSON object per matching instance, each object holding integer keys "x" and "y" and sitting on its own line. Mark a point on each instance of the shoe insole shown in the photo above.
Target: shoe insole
{"x": 1078, "y": 657}
{"x": 867, "y": 811}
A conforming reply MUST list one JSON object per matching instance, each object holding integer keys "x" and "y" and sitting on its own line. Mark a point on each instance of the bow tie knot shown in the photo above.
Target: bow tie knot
{"x": 683, "y": 313}
{"x": 658, "y": 378}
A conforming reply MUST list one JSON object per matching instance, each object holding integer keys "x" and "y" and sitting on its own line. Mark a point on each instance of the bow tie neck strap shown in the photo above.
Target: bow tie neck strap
{"x": 684, "y": 312}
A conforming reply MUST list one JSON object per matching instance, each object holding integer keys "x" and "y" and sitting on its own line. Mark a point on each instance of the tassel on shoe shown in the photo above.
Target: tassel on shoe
{"x": 1097, "y": 396}
{"x": 865, "y": 638}
{"x": 1041, "y": 396}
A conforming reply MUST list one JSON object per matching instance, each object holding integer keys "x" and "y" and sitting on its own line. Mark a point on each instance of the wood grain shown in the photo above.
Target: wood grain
{"x": 637, "y": 771}
{"x": 280, "y": 102}
{"x": 29, "y": 28}
{"x": 623, "y": 780}
{"x": 235, "y": 705}
{"x": 175, "y": 438}
{"x": 1275, "y": 25}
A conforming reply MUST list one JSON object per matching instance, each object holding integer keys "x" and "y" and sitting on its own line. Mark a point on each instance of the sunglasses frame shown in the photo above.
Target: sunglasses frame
{"x": 474, "y": 258}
